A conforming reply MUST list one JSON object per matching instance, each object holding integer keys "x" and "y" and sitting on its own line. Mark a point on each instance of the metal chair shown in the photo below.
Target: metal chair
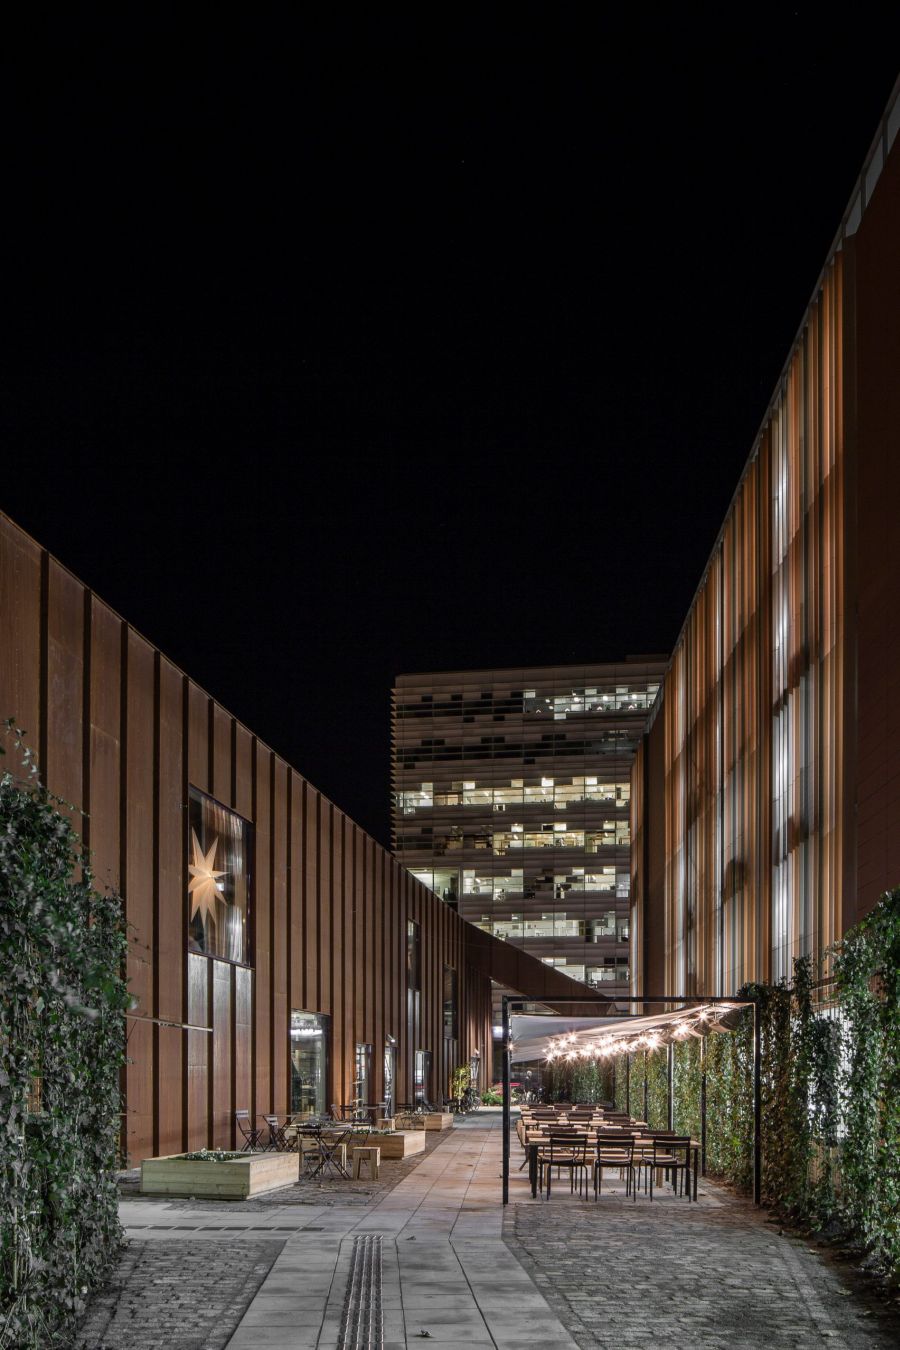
{"x": 668, "y": 1158}
{"x": 277, "y": 1140}
{"x": 567, "y": 1151}
{"x": 615, "y": 1152}
{"x": 333, "y": 1152}
{"x": 250, "y": 1134}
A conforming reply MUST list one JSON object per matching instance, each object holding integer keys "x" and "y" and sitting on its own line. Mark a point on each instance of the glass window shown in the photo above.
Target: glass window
{"x": 218, "y": 879}
{"x": 413, "y": 955}
{"x": 443, "y": 881}
{"x": 449, "y": 1003}
{"x": 415, "y": 799}
{"x": 309, "y": 1063}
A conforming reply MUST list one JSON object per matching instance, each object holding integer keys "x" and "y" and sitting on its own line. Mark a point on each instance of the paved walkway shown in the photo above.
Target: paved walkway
{"x": 447, "y": 1274}
{"x": 554, "y": 1276}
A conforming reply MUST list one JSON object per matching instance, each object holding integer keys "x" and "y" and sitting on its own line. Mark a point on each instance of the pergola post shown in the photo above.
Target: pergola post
{"x": 703, "y": 1106}
{"x": 757, "y": 1105}
{"x": 670, "y": 1085}
{"x": 505, "y": 1082}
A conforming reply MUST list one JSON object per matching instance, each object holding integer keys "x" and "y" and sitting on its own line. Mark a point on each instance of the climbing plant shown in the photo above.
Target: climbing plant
{"x": 686, "y": 1081}
{"x": 577, "y": 1081}
{"x": 62, "y": 1000}
{"x": 867, "y": 972}
{"x": 638, "y": 1080}
{"x": 657, "y": 1090}
{"x": 622, "y": 1083}
{"x": 829, "y": 1090}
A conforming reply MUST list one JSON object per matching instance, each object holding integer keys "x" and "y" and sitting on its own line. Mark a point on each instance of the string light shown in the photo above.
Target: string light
{"x": 697, "y": 1022}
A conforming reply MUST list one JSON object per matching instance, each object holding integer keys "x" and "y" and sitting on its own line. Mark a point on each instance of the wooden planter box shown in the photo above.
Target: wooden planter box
{"x": 438, "y": 1120}
{"x": 400, "y": 1144}
{"x": 232, "y": 1180}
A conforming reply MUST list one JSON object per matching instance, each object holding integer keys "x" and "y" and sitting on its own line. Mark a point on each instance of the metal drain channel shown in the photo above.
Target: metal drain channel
{"x": 362, "y": 1325}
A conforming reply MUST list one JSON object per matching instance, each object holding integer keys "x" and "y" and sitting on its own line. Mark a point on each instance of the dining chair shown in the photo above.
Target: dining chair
{"x": 615, "y": 1152}
{"x": 566, "y": 1151}
{"x": 672, "y": 1156}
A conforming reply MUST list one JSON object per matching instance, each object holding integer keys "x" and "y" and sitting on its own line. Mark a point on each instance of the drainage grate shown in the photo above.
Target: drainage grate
{"x": 362, "y": 1326}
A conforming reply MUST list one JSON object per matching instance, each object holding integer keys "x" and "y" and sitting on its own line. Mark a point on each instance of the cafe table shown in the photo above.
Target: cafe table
{"x": 329, "y": 1139}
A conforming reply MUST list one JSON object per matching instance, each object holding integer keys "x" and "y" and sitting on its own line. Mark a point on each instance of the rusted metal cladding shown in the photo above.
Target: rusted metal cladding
{"x": 128, "y": 741}
{"x": 778, "y": 800}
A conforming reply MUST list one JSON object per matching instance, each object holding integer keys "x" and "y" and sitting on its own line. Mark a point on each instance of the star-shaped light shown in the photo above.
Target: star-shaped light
{"x": 205, "y": 886}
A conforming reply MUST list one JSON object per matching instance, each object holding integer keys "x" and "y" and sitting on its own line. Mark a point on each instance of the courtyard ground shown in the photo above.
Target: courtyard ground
{"x": 274, "y": 1273}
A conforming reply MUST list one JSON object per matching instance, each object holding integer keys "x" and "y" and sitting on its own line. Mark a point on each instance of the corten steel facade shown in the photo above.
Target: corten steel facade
{"x": 141, "y": 753}
{"x": 510, "y": 799}
{"x": 766, "y": 794}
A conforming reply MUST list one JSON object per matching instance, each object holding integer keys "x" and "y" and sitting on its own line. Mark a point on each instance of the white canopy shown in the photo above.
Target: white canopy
{"x": 535, "y": 1038}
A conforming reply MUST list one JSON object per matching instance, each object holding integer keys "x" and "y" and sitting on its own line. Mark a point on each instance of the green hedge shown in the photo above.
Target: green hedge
{"x": 62, "y": 1000}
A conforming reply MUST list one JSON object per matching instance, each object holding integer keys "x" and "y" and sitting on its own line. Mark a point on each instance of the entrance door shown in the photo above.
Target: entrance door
{"x": 390, "y": 1074}
{"x": 309, "y": 1062}
{"x": 422, "y": 1082}
{"x": 362, "y": 1086}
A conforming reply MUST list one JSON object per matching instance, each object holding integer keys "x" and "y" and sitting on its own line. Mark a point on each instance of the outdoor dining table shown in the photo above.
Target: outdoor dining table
{"x": 533, "y": 1145}
{"x": 328, "y": 1139}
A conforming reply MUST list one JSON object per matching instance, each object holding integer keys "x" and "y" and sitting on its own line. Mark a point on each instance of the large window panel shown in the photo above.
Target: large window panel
{"x": 219, "y": 842}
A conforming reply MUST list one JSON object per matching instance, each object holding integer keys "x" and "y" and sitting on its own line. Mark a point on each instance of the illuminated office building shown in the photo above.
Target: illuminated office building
{"x": 511, "y": 801}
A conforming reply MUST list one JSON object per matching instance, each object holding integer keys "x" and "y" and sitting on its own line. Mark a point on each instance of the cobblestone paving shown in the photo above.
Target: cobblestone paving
{"x": 710, "y": 1276}
{"x": 178, "y": 1295}
{"x": 185, "y": 1294}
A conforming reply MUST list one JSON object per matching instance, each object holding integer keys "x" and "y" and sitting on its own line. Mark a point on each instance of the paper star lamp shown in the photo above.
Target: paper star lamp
{"x": 204, "y": 887}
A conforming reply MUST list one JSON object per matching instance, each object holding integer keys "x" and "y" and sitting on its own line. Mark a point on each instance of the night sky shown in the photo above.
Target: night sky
{"x": 340, "y": 347}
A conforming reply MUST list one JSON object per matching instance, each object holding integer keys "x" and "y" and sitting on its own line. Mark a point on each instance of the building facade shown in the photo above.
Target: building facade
{"x": 511, "y": 797}
{"x": 766, "y": 792}
{"x": 279, "y": 958}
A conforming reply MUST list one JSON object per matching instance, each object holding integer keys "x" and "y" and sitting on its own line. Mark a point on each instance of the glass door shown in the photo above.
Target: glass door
{"x": 362, "y": 1084}
{"x": 422, "y": 1078}
{"x": 390, "y": 1074}
{"x": 309, "y": 1063}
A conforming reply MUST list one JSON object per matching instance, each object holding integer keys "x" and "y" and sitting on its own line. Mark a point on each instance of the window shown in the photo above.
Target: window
{"x": 413, "y": 955}
{"x": 415, "y": 799}
{"x": 450, "y": 987}
{"x": 443, "y": 881}
{"x": 218, "y": 879}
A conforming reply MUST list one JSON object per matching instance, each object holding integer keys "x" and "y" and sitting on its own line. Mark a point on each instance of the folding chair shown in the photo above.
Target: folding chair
{"x": 277, "y": 1141}
{"x": 250, "y": 1134}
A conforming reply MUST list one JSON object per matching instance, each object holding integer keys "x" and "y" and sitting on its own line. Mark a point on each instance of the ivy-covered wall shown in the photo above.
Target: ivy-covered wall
{"x": 578, "y": 1082}
{"x": 830, "y": 1092}
{"x": 62, "y": 1000}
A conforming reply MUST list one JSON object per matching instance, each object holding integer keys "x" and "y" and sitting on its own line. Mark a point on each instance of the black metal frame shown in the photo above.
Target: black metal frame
{"x": 508, "y": 1000}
